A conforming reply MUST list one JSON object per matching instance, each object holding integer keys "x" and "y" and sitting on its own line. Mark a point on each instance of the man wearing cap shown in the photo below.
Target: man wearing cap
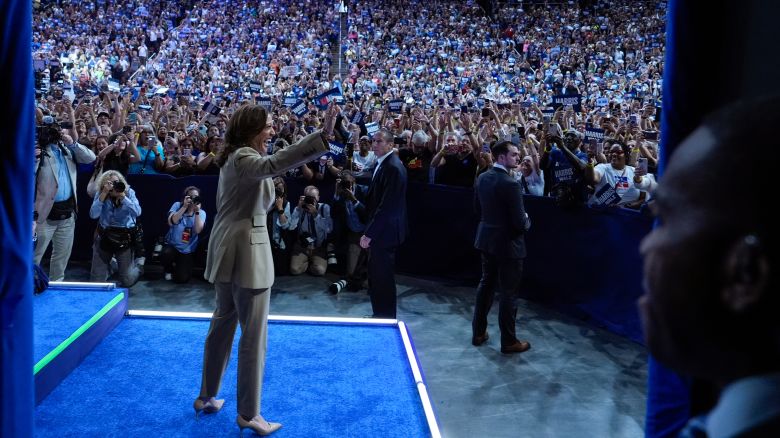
{"x": 56, "y": 155}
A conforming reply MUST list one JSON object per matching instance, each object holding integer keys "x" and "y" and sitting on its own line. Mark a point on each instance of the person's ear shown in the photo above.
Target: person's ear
{"x": 746, "y": 275}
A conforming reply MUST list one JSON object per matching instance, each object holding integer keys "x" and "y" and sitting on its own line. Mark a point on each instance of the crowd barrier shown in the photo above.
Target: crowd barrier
{"x": 583, "y": 262}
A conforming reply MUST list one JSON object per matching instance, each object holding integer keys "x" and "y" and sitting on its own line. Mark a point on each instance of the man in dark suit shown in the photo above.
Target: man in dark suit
{"x": 498, "y": 199}
{"x": 386, "y": 228}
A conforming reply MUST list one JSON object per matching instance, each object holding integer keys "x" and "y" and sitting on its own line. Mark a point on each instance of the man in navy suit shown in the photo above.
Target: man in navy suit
{"x": 386, "y": 228}
{"x": 498, "y": 199}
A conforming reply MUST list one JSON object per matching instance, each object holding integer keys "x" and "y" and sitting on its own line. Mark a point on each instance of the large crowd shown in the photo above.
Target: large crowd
{"x": 148, "y": 87}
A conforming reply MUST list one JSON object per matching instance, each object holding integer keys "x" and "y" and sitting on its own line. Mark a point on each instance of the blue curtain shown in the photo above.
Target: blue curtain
{"x": 16, "y": 174}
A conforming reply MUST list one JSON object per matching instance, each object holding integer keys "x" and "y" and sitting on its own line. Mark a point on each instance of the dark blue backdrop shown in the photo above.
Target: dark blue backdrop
{"x": 584, "y": 262}
{"x": 16, "y": 173}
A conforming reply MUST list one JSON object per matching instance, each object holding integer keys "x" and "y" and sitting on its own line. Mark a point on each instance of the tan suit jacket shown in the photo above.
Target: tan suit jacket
{"x": 47, "y": 181}
{"x": 239, "y": 248}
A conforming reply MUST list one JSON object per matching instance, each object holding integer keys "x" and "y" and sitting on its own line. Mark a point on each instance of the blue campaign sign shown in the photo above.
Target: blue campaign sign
{"x": 299, "y": 108}
{"x": 607, "y": 196}
{"x": 568, "y": 99}
{"x": 255, "y": 87}
{"x": 395, "y": 105}
{"x": 602, "y": 101}
{"x": 594, "y": 134}
{"x": 372, "y": 128}
{"x": 265, "y": 101}
{"x": 290, "y": 101}
{"x": 357, "y": 118}
{"x": 324, "y": 99}
{"x": 336, "y": 148}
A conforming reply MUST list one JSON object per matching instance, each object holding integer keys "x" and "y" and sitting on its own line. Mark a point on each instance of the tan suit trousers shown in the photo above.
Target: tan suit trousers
{"x": 248, "y": 307}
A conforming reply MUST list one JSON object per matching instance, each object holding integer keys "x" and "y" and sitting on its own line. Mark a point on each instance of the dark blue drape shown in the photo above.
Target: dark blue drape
{"x": 16, "y": 174}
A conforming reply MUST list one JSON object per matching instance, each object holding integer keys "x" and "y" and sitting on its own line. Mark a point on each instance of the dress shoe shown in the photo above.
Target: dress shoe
{"x": 208, "y": 405}
{"x": 258, "y": 425}
{"x": 480, "y": 339}
{"x": 517, "y": 347}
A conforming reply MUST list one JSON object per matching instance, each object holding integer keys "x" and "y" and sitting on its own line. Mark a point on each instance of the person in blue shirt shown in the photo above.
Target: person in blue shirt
{"x": 564, "y": 164}
{"x": 117, "y": 210}
{"x": 151, "y": 154}
{"x": 186, "y": 221}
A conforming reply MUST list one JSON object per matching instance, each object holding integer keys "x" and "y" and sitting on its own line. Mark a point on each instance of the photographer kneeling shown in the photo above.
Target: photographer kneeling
{"x": 186, "y": 221}
{"x": 349, "y": 223}
{"x": 312, "y": 223}
{"x": 117, "y": 211}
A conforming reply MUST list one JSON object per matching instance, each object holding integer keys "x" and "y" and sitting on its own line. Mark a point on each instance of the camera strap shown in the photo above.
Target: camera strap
{"x": 312, "y": 226}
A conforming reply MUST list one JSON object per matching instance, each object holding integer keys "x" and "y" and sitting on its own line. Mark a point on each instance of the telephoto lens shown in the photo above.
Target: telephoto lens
{"x": 337, "y": 286}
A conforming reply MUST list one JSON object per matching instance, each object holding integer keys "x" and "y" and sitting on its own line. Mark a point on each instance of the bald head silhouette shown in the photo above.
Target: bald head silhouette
{"x": 711, "y": 305}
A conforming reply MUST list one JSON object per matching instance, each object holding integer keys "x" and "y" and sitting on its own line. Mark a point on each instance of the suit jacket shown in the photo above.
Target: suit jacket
{"x": 239, "y": 247}
{"x": 47, "y": 180}
{"x": 498, "y": 199}
{"x": 386, "y": 204}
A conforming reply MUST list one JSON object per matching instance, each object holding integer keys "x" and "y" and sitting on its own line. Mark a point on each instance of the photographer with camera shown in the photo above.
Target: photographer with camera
{"x": 186, "y": 220}
{"x": 150, "y": 152}
{"x": 313, "y": 224}
{"x": 117, "y": 211}
{"x": 56, "y": 158}
{"x": 278, "y": 226}
{"x": 349, "y": 222}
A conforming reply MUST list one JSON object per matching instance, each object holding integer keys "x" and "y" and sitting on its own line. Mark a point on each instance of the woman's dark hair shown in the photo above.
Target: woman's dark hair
{"x": 623, "y": 146}
{"x": 189, "y": 189}
{"x": 501, "y": 148}
{"x": 245, "y": 124}
{"x": 280, "y": 181}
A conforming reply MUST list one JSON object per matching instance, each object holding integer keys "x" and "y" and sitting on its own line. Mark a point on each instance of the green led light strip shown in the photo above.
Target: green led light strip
{"x": 84, "y": 327}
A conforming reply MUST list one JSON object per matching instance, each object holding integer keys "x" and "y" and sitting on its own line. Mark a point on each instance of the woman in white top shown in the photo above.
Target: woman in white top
{"x": 615, "y": 176}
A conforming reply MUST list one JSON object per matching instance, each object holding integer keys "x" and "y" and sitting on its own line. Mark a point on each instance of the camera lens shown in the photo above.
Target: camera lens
{"x": 196, "y": 199}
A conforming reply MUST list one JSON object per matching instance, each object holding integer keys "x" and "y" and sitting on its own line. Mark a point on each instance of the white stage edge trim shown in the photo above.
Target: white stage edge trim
{"x": 410, "y": 353}
{"x": 421, "y": 388}
{"x": 82, "y": 284}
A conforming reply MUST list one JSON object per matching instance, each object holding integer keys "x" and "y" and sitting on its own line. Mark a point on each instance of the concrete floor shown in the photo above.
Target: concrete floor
{"x": 576, "y": 381}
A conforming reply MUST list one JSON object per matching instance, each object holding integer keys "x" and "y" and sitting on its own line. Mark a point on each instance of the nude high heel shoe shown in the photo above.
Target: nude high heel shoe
{"x": 257, "y": 425}
{"x": 208, "y": 405}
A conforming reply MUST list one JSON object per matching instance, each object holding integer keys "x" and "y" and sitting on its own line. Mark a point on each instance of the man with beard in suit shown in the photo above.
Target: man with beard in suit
{"x": 498, "y": 199}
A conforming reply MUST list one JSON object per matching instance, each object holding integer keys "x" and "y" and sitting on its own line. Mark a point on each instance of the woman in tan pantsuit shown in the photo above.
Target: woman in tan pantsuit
{"x": 239, "y": 256}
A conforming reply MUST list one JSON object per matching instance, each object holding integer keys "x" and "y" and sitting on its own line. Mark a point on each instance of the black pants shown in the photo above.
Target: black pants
{"x": 500, "y": 275}
{"x": 177, "y": 263}
{"x": 381, "y": 280}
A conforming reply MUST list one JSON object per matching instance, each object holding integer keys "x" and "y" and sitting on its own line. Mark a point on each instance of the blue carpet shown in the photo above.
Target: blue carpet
{"x": 321, "y": 380}
{"x": 59, "y": 312}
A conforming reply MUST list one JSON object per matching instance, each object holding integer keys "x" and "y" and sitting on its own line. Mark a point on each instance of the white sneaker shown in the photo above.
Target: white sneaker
{"x": 168, "y": 276}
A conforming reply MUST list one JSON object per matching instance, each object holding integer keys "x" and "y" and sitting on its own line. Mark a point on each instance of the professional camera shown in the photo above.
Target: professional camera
{"x": 119, "y": 187}
{"x": 337, "y": 286}
{"x": 309, "y": 200}
{"x": 279, "y": 192}
{"x": 196, "y": 200}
